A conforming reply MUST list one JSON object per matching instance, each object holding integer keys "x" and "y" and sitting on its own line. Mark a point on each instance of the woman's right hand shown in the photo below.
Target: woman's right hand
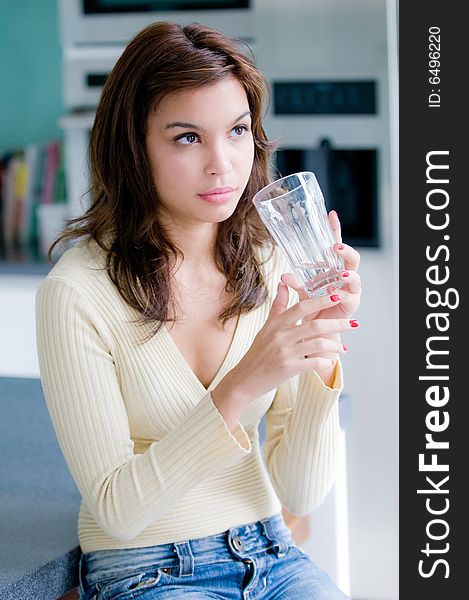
{"x": 282, "y": 349}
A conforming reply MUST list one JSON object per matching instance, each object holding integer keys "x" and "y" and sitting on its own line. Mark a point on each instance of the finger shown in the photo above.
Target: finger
{"x": 317, "y": 363}
{"x": 319, "y": 346}
{"x": 280, "y": 303}
{"x": 291, "y": 280}
{"x": 350, "y": 255}
{"x": 322, "y": 327}
{"x": 347, "y": 306}
{"x": 333, "y": 287}
{"x": 335, "y": 225}
{"x": 306, "y": 307}
{"x": 352, "y": 282}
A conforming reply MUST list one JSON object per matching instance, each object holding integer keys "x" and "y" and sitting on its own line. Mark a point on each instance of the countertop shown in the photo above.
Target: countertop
{"x": 39, "y": 502}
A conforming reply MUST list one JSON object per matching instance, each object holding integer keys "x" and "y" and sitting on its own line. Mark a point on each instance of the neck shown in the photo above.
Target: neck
{"x": 195, "y": 240}
{"x": 197, "y": 269}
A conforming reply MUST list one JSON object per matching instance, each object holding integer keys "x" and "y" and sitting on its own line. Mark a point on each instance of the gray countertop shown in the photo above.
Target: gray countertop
{"x": 39, "y": 502}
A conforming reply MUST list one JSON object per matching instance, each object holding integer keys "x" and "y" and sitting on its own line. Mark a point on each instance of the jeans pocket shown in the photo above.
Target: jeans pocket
{"x": 128, "y": 587}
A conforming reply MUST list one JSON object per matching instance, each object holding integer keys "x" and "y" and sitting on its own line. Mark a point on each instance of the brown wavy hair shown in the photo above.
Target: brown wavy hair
{"x": 161, "y": 59}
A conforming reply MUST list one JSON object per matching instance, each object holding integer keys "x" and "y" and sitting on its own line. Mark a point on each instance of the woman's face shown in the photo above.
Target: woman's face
{"x": 201, "y": 150}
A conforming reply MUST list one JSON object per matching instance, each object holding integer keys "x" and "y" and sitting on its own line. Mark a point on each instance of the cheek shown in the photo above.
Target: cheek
{"x": 171, "y": 169}
{"x": 181, "y": 164}
{"x": 246, "y": 158}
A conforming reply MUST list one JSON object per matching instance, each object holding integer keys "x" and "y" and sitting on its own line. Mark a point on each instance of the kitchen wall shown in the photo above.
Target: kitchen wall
{"x": 30, "y": 73}
{"x": 337, "y": 38}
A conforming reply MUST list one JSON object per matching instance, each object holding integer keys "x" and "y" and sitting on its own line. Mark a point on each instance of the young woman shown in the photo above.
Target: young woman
{"x": 166, "y": 333}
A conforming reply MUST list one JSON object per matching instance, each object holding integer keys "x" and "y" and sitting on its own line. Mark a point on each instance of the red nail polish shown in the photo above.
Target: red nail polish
{"x": 345, "y": 274}
{"x": 335, "y": 297}
{"x": 340, "y": 246}
{"x": 354, "y": 323}
{"x": 345, "y": 347}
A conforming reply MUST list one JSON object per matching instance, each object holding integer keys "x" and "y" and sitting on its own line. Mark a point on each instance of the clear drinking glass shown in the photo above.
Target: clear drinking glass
{"x": 293, "y": 210}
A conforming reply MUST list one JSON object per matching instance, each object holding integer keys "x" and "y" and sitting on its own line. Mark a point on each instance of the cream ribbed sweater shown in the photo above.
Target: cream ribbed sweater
{"x": 149, "y": 451}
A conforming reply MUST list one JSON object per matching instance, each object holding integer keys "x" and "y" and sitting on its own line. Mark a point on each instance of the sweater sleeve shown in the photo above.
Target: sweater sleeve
{"x": 302, "y": 434}
{"x": 125, "y": 492}
{"x": 302, "y": 430}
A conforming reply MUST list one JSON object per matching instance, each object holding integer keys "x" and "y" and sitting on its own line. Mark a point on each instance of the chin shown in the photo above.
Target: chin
{"x": 227, "y": 214}
{"x": 219, "y": 214}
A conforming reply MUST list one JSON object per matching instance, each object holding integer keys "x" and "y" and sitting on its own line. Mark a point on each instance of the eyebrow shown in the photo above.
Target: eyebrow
{"x": 184, "y": 125}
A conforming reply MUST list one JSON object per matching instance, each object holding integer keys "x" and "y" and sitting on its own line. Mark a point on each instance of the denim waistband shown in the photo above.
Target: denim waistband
{"x": 240, "y": 542}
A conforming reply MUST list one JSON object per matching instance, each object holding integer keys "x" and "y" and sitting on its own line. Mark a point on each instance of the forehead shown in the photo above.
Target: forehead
{"x": 225, "y": 99}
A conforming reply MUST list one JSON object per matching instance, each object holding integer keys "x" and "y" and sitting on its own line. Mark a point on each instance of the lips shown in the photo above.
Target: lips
{"x": 217, "y": 195}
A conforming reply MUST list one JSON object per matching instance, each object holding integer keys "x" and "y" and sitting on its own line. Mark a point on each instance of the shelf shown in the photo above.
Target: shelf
{"x": 77, "y": 120}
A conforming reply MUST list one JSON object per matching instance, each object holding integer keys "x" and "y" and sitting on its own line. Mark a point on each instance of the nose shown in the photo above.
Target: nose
{"x": 218, "y": 159}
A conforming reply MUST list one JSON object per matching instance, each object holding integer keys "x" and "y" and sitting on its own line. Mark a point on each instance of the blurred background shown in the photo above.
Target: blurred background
{"x": 332, "y": 66}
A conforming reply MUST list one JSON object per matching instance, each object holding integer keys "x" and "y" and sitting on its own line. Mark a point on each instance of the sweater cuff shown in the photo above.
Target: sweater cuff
{"x": 317, "y": 398}
{"x": 205, "y": 428}
{"x": 338, "y": 380}
{"x": 238, "y": 435}
{"x": 199, "y": 447}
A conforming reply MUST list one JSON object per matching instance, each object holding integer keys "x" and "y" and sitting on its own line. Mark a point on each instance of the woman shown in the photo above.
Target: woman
{"x": 166, "y": 333}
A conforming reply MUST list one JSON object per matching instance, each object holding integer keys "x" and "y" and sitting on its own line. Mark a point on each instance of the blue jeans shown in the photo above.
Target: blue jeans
{"x": 249, "y": 562}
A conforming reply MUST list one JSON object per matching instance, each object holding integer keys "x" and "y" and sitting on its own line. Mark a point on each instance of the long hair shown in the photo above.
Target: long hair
{"x": 164, "y": 58}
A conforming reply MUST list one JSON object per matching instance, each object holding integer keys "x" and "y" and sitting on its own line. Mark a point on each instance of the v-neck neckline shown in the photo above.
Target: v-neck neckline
{"x": 186, "y": 366}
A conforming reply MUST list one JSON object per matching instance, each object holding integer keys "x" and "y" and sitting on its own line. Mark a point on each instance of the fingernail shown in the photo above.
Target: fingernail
{"x": 335, "y": 297}
{"x": 354, "y": 323}
{"x": 345, "y": 347}
{"x": 345, "y": 274}
{"x": 340, "y": 246}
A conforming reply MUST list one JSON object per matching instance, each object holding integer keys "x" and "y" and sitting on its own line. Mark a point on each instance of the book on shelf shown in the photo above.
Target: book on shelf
{"x": 31, "y": 179}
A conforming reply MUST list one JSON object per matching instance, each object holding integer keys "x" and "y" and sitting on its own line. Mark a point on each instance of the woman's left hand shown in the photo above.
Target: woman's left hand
{"x": 350, "y": 293}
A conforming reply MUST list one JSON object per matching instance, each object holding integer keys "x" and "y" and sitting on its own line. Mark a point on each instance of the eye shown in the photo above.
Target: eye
{"x": 239, "y": 130}
{"x": 187, "y": 139}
